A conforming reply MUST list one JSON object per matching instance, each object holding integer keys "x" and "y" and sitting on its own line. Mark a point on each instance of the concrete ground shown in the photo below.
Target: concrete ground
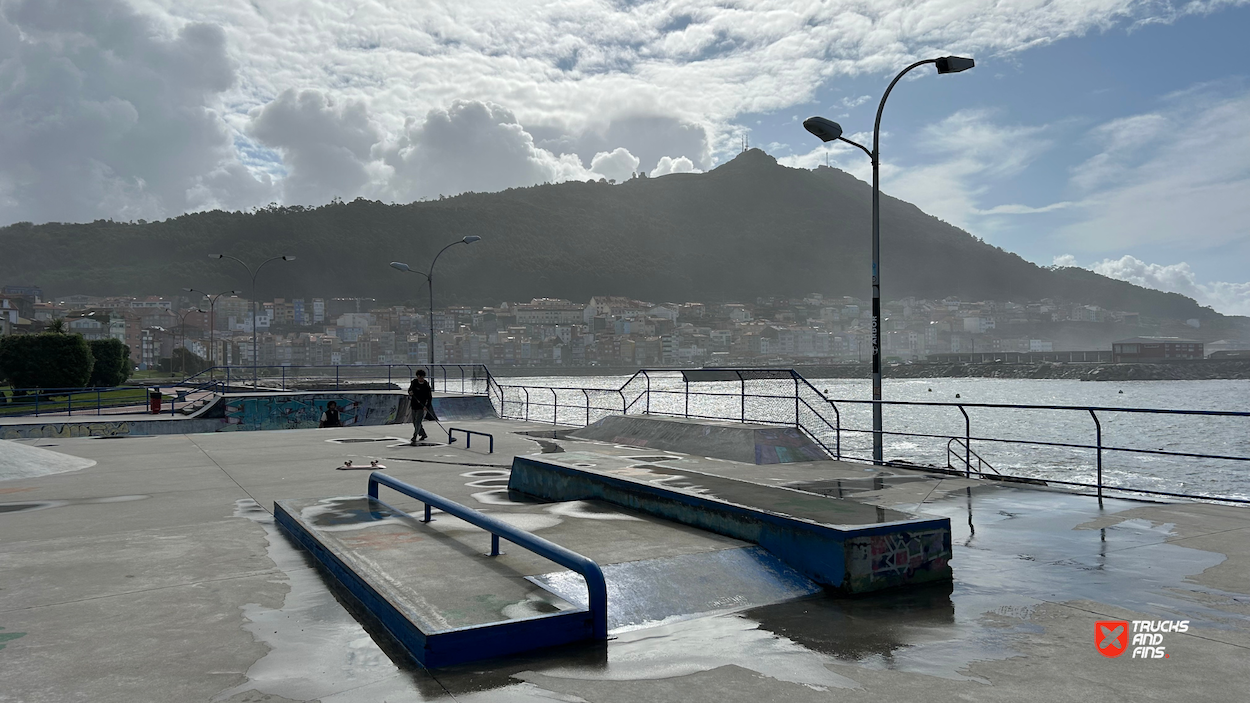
{"x": 157, "y": 575}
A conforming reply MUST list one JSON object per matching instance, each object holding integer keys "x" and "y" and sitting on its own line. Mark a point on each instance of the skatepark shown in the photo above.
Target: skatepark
{"x": 736, "y": 567}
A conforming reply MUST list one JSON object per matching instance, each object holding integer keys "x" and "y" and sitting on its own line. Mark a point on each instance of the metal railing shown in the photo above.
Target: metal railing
{"x": 783, "y": 397}
{"x": 951, "y": 451}
{"x": 1099, "y": 449}
{"x": 801, "y": 406}
{"x": 77, "y": 402}
{"x": 596, "y": 586}
{"x": 468, "y": 379}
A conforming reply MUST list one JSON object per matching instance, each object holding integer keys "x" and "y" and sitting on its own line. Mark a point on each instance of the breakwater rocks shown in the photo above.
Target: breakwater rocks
{"x": 1163, "y": 371}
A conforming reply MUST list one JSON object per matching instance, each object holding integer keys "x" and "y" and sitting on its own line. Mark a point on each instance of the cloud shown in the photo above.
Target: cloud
{"x": 182, "y": 105}
{"x": 470, "y": 146}
{"x": 1167, "y": 176}
{"x": 1228, "y": 298}
{"x": 108, "y": 113}
{"x": 669, "y": 165}
{"x": 971, "y": 151}
{"x": 325, "y": 147}
{"x": 616, "y": 165}
{"x": 851, "y": 103}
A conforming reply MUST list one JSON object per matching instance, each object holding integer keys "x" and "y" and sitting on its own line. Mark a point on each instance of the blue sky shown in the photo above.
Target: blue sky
{"x": 1109, "y": 134}
{"x": 1062, "y": 105}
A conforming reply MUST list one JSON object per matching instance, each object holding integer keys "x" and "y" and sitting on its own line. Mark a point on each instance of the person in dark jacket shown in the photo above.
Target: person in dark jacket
{"x": 330, "y": 418}
{"x": 421, "y": 398}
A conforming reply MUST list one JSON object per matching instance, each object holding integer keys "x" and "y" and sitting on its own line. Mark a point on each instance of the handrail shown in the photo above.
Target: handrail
{"x": 596, "y": 586}
{"x": 981, "y": 462}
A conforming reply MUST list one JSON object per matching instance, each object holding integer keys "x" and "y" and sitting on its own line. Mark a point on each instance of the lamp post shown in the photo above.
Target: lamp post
{"x": 253, "y": 273}
{"x": 212, "y": 323}
{"x": 829, "y": 131}
{"x": 182, "y": 326}
{"x": 429, "y": 277}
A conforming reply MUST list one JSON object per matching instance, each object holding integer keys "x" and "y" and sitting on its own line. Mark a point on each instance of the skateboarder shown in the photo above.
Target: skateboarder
{"x": 421, "y": 399}
{"x": 330, "y": 418}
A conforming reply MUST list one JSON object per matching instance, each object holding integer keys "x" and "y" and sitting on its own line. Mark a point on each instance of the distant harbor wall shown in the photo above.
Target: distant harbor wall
{"x": 1180, "y": 370}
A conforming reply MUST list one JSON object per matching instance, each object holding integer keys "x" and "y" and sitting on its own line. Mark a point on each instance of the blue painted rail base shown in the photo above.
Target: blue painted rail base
{"x": 443, "y": 604}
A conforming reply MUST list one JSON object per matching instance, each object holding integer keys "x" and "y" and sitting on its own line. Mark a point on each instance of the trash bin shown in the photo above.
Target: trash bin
{"x": 154, "y": 400}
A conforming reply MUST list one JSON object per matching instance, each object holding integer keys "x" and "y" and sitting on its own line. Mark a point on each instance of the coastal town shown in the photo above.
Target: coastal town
{"x": 606, "y": 331}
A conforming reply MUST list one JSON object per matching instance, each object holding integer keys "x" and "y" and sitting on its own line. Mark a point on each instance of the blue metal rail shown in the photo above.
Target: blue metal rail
{"x": 596, "y": 586}
{"x": 468, "y": 437}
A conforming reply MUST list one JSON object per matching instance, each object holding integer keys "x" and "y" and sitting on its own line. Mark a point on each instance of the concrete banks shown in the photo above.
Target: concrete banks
{"x": 158, "y": 575}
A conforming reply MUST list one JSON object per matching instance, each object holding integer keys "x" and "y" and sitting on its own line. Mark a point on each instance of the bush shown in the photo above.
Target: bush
{"x": 112, "y": 363}
{"x": 184, "y": 362}
{"x": 46, "y": 361}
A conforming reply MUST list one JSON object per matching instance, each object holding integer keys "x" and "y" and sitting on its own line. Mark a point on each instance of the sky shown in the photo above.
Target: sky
{"x": 1108, "y": 134}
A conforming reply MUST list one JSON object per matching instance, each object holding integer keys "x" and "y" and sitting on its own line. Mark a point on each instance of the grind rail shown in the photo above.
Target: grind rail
{"x": 595, "y": 584}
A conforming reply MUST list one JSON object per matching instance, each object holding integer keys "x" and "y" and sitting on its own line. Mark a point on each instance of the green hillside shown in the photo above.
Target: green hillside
{"x": 750, "y": 227}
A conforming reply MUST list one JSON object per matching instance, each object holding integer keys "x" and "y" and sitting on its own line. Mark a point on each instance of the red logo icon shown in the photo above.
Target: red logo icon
{"x": 1111, "y": 637}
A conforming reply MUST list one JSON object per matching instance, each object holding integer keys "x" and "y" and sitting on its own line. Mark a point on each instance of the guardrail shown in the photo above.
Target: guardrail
{"x": 33, "y": 402}
{"x": 783, "y": 397}
{"x": 596, "y": 586}
{"x": 469, "y": 379}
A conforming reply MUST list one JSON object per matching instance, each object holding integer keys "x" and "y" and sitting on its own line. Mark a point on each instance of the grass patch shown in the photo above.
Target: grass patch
{"x": 84, "y": 400}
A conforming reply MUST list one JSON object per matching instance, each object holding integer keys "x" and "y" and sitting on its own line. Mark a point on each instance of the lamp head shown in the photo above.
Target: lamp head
{"x": 288, "y": 258}
{"x": 216, "y": 256}
{"x": 471, "y": 238}
{"x": 826, "y": 130}
{"x": 400, "y": 266}
{"x": 188, "y": 290}
{"x": 954, "y": 64}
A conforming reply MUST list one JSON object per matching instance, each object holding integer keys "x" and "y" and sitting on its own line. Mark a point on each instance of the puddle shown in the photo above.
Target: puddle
{"x": 316, "y": 647}
{"x": 343, "y": 514}
{"x": 548, "y": 447}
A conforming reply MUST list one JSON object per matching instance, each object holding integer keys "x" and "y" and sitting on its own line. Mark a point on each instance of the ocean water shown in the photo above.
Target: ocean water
{"x": 774, "y": 401}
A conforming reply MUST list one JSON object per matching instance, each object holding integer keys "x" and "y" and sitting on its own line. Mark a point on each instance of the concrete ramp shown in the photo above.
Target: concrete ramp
{"x": 651, "y": 591}
{"x": 22, "y": 461}
{"x": 735, "y": 441}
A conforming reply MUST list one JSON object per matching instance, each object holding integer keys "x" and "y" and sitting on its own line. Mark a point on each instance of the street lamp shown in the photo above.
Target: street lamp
{"x": 429, "y": 277}
{"x": 182, "y": 326}
{"x": 829, "y": 131}
{"x": 253, "y": 272}
{"x": 212, "y": 323}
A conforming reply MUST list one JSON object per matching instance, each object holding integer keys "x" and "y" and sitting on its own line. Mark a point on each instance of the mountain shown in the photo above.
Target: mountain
{"x": 748, "y": 228}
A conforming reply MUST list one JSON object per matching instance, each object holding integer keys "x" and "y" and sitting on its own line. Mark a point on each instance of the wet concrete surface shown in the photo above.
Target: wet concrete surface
{"x": 699, "y": 476}
{"x": 186, "y": 596}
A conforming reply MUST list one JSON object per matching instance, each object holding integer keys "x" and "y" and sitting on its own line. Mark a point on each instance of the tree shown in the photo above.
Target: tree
{"x": 57, "y": 326}
{"x": 112, "y": 363}
{"x": 184, "y": 361}
{"x": 47, "y": 360}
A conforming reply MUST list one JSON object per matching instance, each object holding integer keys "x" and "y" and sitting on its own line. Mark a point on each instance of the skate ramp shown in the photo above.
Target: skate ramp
{"x": 24, "y": 461}
{"x": 734, "y": 441}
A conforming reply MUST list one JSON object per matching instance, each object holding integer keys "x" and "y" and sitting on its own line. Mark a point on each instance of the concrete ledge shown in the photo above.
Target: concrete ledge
{"x": 851, "y": 558}
{"x": 386, "y": 593}
{"x": 735, "y": 441}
